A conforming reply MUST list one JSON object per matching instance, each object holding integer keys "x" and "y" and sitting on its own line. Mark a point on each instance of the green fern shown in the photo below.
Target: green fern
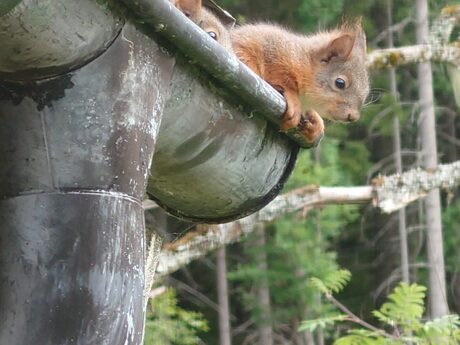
{"x": 444, "y": 330}
{"x": 333, "y": 282}
{"x": 406, "y": 306}
{"x": 362, "y": 337}
{"x": 403, "y": 311}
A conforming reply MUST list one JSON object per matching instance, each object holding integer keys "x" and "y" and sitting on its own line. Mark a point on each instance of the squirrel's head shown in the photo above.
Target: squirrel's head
{"x": 215, "y": 28}
{"x": 341, "y": 80}
{"x": 191, "y": 8}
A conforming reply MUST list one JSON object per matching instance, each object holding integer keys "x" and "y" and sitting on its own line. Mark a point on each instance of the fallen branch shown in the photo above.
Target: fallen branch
{"x": 389, "y": 193}
{"x": 395, "y": 57}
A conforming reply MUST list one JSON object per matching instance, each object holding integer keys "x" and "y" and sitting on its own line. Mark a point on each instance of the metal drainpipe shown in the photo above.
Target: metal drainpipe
{"x": 81, "y": 99}
{"x": 80, "y": 107}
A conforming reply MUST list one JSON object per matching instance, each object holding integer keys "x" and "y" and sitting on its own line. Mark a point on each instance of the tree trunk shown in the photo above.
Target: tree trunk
{"x": 398, "y": 161}
{"x": 263, "y": 291}
{"x": 427, "y": 132}
{"x": 222, "y": 294}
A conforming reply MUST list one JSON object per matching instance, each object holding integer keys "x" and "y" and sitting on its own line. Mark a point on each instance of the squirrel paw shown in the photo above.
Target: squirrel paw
{"x": 291, "y": 118}
{"x": 311, "y": 125}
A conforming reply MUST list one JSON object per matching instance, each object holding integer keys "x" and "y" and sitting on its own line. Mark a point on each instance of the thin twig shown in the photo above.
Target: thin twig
{"x": 356, "y": 319}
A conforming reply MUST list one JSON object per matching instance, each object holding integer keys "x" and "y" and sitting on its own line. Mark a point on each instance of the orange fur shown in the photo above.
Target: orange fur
{"x": 304, "y": 69}
{"x": 210, "y": 23}
{"x": 191, "y": 8}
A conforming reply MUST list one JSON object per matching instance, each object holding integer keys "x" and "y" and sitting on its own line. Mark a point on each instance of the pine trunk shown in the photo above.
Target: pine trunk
{"x": 427, "y": 132}
{"x": 222, "y": 293}
{"x": 397, "y": 154}
{"x": 263, "y": 291}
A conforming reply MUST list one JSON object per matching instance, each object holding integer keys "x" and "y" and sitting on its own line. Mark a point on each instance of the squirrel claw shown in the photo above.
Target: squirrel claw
{"x": 311, "y": 125}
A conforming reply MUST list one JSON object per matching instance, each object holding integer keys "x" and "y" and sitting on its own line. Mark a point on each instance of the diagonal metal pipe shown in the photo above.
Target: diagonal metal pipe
{"x": 161, "y": 17}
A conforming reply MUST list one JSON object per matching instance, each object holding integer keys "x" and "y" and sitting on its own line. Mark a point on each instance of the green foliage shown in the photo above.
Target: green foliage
{"x": 312, "y": 325}
{"x": 327, "y": 12}
{"x": 168, "y": 324}
{"x": 361, "y": 337}
{"x": 302, "y": 15}
{"x": 333, "y": 282}
{"x": 403, "y": 312}
{"x": 450, "y": 224}
{"x": 298, "y": 248}
{"x": 406, "y": 304}
{"x": 444, "y": 326}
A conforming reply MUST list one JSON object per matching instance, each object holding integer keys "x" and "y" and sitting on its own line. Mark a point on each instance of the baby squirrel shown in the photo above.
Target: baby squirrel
{"x": 191, "y": 8}
{"x": 214, "y": 28}
{"x": 323, "y": 73}
{"x": 205, "y": 19}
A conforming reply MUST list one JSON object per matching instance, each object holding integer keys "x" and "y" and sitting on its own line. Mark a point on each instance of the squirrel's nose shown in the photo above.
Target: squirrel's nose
{"x": 353, "y": 116}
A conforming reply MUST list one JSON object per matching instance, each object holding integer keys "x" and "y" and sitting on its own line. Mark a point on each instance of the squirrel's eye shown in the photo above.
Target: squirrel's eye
{"x": 340, "y": 83}
{"x": 213, "y": 35}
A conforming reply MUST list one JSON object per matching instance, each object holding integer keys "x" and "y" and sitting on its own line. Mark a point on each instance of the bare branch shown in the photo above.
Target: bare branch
{"x": 388, "y": 193}
{"x": 396, "y": 191}
{"x": 352, "y": 317}
{"x": 437, "y": 48}
{"x": 395, "y": 57}
{"x": 396, "y": 28}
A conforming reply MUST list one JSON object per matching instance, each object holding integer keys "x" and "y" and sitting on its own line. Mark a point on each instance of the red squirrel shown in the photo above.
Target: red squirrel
{"x": 206, "y": 19}
{"x": 215, "y": 28}
{"x": 191, "y": 8}
{"x": 323, "y": 73}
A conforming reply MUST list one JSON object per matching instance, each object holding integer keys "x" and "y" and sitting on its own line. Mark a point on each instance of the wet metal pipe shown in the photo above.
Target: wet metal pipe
{"x": 75, "y": 154}
{"x": 165, "y": 19}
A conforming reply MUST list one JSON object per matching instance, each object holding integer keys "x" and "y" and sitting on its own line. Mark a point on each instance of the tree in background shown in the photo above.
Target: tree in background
{"x": 361, "y": 239}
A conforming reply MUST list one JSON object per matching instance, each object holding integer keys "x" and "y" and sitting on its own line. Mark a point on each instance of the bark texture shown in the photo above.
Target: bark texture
{"x": 222, "y": 295}
{"x": 429, "y": 157}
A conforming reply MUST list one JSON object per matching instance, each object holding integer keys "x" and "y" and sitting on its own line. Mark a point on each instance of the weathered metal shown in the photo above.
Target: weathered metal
{"x": 214, "y": 163}
{"x": 75, "y": 153}
{"x": 44, "y": 38}
{"x": 80, "y": 106}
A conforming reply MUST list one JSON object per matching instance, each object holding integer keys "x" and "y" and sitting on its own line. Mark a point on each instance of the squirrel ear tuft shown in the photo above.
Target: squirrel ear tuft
{"x": 191, "y": 8}
{"x": 360, "y": 40}
{"x": 339, "y": 48}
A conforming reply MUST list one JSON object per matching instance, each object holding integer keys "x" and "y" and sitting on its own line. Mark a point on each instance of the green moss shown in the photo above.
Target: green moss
{"x": 451, "y": 10}
{"x": 396, "y": 58}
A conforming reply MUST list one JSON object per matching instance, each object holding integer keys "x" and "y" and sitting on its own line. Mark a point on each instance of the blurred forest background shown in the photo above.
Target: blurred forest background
{"x": 269, "y": 288}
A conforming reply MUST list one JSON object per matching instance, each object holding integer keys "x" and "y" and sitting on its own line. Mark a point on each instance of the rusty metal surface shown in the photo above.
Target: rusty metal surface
{"x": 212, "y": 162}
{"x": 44, "y": 38}
{"x": 75, "y": 153}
